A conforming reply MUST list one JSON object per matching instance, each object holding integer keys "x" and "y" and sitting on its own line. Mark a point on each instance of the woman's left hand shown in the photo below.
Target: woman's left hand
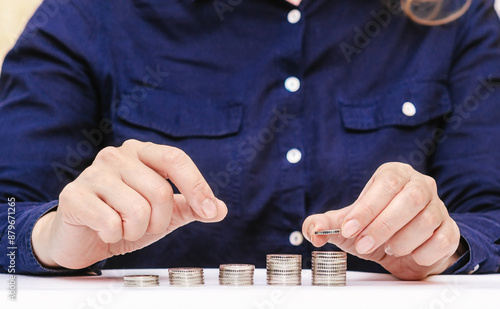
{"x": 398, "y": 221}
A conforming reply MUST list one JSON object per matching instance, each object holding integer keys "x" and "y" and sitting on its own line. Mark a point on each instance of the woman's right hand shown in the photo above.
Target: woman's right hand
{"x": 122, "y": 203}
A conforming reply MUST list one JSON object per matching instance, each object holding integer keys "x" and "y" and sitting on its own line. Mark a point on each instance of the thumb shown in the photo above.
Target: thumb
{"x": 183, "y": 213}
{"x": 329, "y": 220}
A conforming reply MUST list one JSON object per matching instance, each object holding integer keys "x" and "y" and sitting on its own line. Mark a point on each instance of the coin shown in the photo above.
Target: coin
{"x": 329, "y": 268}
{"x": 284, "y": 269}
{"x": 141, "y": 280}
{"x": 186, "y": 276}
{"x": 327, "y": 232}
{"x": 236, "y": 274}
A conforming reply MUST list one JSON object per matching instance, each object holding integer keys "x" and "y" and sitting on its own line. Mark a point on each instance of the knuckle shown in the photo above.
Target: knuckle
{"x": 69, "y": 190}
{"x": 201, "y": 187}
{"x": 385, "y": 228}
{"x": 113, "y": 225}
{"x": 130, "y": 143}
{"x": 422, "y": 259}
{"x": 417, "y": 195}
{"x": 431, "y": 183}
{"x": 141, "y": 211}
{"x": 69, "y": 193}
{"x": 443, "y": 241}
{"x": 158, "y": 228}
{"x": 109, "y": 155}
{"x": 368, "y": 209}
{"x": 404, "y": 167}
{"x": 384, "y": 167}
{"x": 163, "y": 193}
{"x": 175, "y": 156}
{"x": 429, "y": 219}
{"x": 93, "y": 174}
{"x": 395, "y": 167}
{"x": 391, "y": 182}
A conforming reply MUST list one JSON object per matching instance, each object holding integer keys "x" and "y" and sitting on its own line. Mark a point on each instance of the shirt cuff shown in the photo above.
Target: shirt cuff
{"x": 29, "y": 264}
{"x": 479, "y": 257}
{"x": 462, "y": 261}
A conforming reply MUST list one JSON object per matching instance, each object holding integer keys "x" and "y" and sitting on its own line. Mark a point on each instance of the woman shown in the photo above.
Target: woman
{"x": 267, "y": 111}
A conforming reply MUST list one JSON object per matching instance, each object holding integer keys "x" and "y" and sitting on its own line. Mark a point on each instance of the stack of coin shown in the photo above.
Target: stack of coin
{"x": 329, "y": 268}
{"x": 284, "y": 269}
{"x": 141, "y": 281}
{"x": 186, "y": 276}
{"x": 236, "y": 274}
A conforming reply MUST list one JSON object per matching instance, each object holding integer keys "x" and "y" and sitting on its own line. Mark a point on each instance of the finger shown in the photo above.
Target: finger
{"x": 401, "y": 210}
{"x": 183, "y": 214}
{"x": 416, "y": 232}
{"x": 174, "y": 164}
{"x": 85, "y": 209}
{"x": 387, "y": 183}
{"x": 319, "y": 222}
{"x": 134, "y": 209}
{"x": 156, "y": 190}
{"x": 442, "y": 244}
{"x": 366, "y": 188}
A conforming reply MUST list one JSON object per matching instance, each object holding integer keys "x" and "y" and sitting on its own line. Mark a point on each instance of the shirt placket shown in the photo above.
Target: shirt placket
{"x": 291, "y": 144}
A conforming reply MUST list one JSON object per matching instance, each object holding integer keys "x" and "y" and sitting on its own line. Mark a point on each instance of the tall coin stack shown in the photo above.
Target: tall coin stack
{"x": 186, "y": 276}
{"x": 236, "y": 274}
{"x": 284, "y": 269}
{"x": 329, "y": 268}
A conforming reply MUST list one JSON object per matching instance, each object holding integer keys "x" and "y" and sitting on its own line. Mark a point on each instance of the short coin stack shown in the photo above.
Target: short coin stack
{"x": 141, "y": 281}
{"x": 236, "y": 274}
{"x": 284, "y": 269}
{"x": 329, "y": 268}
{"x": 186, "y": 276}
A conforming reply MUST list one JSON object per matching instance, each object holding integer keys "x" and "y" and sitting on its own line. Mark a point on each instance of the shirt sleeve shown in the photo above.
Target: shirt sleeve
{"x": 47, "y": 101}
{"x": 466, "y": 163}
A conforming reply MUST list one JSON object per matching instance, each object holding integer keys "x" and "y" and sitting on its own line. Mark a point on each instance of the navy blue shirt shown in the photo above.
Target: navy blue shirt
{"x": 286, "y": 115}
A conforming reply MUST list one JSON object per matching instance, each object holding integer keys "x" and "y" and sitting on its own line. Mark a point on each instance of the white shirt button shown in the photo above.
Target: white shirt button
{"x": 294, "y": 16}
{"x": 474, "y": 269}
{"x": 293, "y": 155}
{"x": 296, "y": 238}
{"x": 292, "y": 84}
{"x": 409, "y": 109}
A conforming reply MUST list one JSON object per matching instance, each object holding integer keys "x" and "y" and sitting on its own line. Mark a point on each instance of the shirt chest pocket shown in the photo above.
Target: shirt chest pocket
{"x": 403, "y": 125}
{"x": 206, "y": 129}
{"x": 180, "y": 117}
{"x": 407, "y": 106}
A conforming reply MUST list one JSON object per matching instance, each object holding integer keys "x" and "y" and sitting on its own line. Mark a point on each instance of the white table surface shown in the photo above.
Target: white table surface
{"x": 363, "y": 290}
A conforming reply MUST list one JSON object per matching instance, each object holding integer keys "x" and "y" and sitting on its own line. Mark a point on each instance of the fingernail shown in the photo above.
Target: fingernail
{"x": 350, "y": 228}
{"x": 310, "y": 233}
{"x": 365, "y": 244}
{"x": 388, "y": 251}
{"x": 209, "y": 208}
